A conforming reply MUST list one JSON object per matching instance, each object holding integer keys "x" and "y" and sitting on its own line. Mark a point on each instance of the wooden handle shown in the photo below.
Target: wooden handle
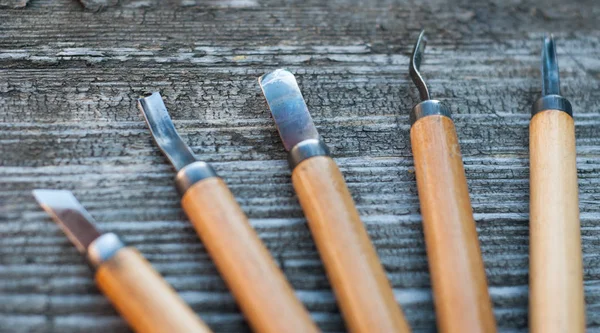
{"x": 143, "y": 297}
{"x": 363, "y": 292}
{"x": 556, "y": 271}
{"x": 462, "y": 301}
{"x": 258, "y": 285}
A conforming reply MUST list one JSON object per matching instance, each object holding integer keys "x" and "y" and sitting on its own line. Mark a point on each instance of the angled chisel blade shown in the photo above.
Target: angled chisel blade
{"x": 71, "y": 217}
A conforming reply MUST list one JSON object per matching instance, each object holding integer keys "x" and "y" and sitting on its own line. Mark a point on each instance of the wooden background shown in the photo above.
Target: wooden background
{"x": 70, "y": 73}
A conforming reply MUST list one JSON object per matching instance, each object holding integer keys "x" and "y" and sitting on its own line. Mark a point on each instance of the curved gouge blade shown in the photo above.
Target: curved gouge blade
{"x": 163, "y": 131}
{"x": 288, "y": 108}
{"x": 70, "y": 215}
{"x": 415, "y": 66}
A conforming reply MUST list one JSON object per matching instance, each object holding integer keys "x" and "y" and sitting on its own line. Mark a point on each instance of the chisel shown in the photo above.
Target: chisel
{"x": 146, "y": 301}
{"x": 557, "y": 302}
{"x": 361, "y": 287}
{"x": 258, "y": 285}
{"x": 461, "y": 297}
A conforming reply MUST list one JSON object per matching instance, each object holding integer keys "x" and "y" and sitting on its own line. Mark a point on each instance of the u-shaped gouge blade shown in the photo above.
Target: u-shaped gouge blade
{"x": 164, "y": 133}
{"x": 258, "y": 285}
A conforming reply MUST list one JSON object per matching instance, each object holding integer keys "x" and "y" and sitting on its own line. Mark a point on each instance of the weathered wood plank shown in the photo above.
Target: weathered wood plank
{"x": 68, "y": 81}
{"x": 13, "y": 3}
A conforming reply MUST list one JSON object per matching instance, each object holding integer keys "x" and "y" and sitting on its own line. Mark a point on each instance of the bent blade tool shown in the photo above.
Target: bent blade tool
{"x": 462, "y": 301}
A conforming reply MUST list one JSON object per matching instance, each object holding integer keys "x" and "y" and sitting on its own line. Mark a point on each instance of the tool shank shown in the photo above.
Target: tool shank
{"x": 143, "y": 297}
{"x": 556, "y": 271}
{"x": 458, "y": 278}
{"x": 361, "y": 287}
{"x": 258, "y": 285}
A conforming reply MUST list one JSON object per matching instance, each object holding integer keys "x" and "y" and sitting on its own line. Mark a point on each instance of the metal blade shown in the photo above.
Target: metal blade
{"x": 550, "y": 78}
{"x": 68, "y": 213}
{"x": 415, "y": 66}
{"x": 288, "y": 108}
{"x": 163, "y": 131}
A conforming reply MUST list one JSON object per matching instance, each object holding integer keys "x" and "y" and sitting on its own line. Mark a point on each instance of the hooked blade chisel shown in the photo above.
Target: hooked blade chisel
{"x": 258, "y": 285}
{"x": 556, "y": 268}
{"x": 364, "y": 294}
{"x": 138, "y": 292}
{"x": 461, "y": 297}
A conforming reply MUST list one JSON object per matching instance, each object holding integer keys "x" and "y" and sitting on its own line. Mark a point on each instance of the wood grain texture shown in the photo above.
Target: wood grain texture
{"x": 462, "y": 301}
{"x": 13, "y": 3}
{"x": 556, "y": 302}
{"x": 260, "y": 288}
{"x": 146, "y": 301}
{"x": 361, "y": 288}
{"x": 69, "y": 78}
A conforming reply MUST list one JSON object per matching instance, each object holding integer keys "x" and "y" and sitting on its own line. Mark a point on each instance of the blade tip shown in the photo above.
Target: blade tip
{"x": 549, "y": 46}
{"x": 421, "y": 42}
{"x": 278, "y": 83}
{"x": 150, "y": 95}
{"x": 54, "y": 198}
{"x": 141, "y": 101}
{"x": 151, "y": 107}
{"x": 279, "y": 74}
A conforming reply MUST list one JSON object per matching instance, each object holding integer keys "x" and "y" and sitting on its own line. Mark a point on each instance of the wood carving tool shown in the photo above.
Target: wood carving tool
{"x": 462, "y": 301}
{"x": 363, "y": 292}
{"x": 146, "y": 301}
{"x": 258, "y": 285}
{"x": 556, "y": 270}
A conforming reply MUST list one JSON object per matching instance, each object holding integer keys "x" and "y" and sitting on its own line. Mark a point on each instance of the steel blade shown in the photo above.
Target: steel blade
{"x": 550, "y": 75}
{"x": 163, "y": 131}
{"x": 70, "y": 215}
{"x": 288, "y": 108}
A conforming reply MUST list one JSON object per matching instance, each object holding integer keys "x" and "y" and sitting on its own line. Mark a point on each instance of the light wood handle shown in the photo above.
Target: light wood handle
{"x": 258, "y": 285}
{"x": 557, "y": 302}
{"x": 462, "y": 301}
{"x": 146, "y": 301}
{"x": 364, "y": 294}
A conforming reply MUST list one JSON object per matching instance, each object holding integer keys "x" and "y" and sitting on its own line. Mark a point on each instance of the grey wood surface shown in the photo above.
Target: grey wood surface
{"x": 70, "y": 73}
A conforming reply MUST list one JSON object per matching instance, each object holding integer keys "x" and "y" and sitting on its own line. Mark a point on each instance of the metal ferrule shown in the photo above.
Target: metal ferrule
{"x": 428, "y": 107}
{"x": 305, "y": 150}
{"x": 552, "y": 102}
{"x": 191, "y": 174}
{"x": 103, "y": 248}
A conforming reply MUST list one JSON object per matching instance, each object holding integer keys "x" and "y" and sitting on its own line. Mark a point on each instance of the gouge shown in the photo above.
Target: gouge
{"x": 556, "y": 270}
{"x": 258, "y": 285}
{"x": 363, "y": 292}
{"x": 462, "y": 302}
{"x": 140, "y": 294}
